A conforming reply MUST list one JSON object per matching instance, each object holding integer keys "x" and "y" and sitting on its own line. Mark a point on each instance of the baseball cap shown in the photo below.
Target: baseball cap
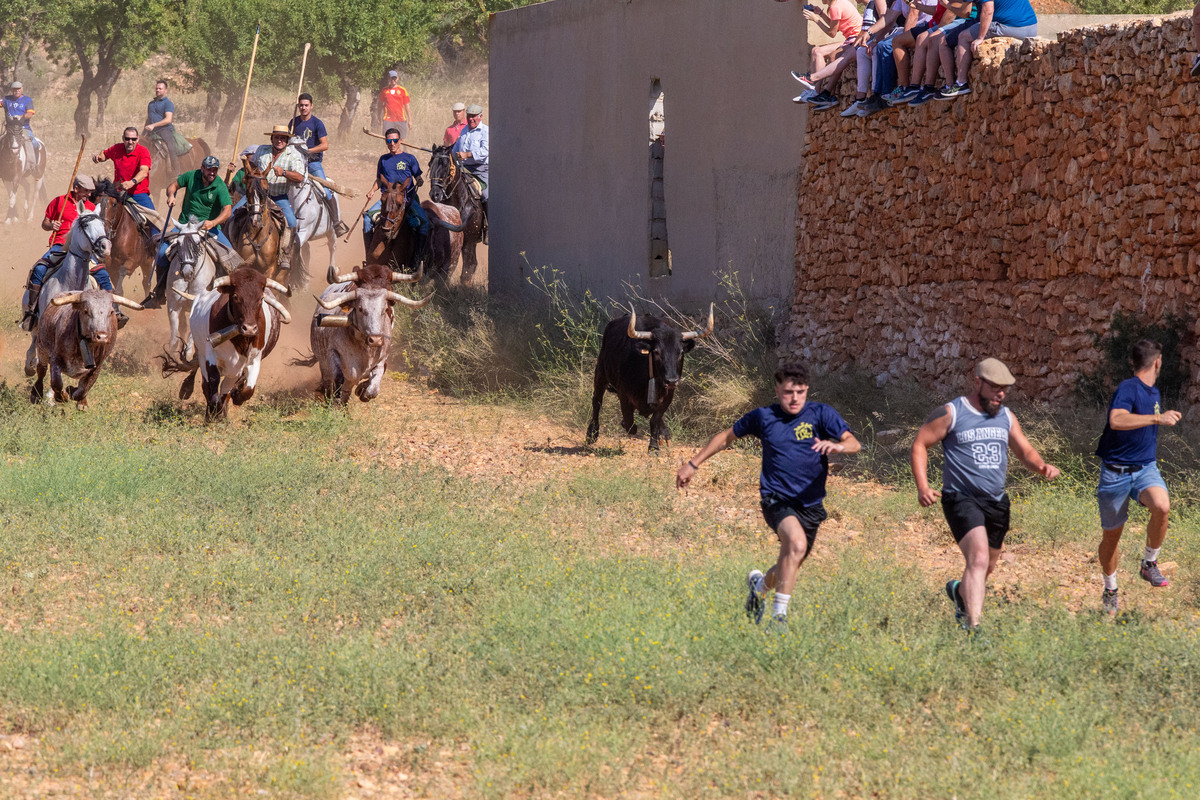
{"x": 474, "y": 109}
{"x": 458, "y": 107}
{"x": 210, "y": 162}
{"x": 393, "y": 74}
{"x": 994, "y": 371}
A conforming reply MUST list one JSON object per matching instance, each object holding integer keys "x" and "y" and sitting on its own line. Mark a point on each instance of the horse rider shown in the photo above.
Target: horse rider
{"x": 312, "y": 131}
{"x": 17, "y": 104}
{"x": 396, "y": 165}
{"x": 160, "y": 127}
{"x": 60, "y": 216}
{"x": 471, "y": 150}
{"x": 131, "y": 167}
{"x": 460, "y": 121}
{"x": 284, "y": 166}
{"x": 205, "y": 198}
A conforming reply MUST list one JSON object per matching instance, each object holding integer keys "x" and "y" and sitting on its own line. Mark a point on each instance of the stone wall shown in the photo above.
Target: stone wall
{"x": 1012, "y": 222}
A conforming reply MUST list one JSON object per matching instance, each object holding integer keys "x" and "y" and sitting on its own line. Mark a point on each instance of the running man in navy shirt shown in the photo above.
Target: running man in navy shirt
{"x": 1128, "y": 449}
{"x": 976, "y": 432}
{"x": 797, "y": 437}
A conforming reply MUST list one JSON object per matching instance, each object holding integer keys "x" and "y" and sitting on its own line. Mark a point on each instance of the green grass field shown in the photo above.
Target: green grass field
{"x": 247, "y": 603}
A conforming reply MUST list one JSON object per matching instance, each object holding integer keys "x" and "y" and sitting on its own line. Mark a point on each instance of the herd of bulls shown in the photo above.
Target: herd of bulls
{"x": 234, "y": 322}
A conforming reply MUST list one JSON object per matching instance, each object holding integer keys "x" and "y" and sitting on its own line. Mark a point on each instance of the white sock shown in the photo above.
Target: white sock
{"x": 1110, "y": 582}
{"x": 1151, "y": 554}
{"x": 781, "y": 604}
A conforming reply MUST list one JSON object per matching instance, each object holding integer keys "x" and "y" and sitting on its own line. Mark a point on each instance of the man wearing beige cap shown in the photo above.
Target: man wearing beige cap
{"x": 460, "y": 122}
{"x": 976, "y": 432}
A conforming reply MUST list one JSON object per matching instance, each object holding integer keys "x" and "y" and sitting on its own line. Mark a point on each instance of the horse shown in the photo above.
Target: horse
{"x": 391, "y": 241}
{"x": 161, "y": 176}
{"x": 19, "y": 172}
{"x": 192, "y": 271}
{"x": 450, "y": 183}
{"x": 88, "y": 239}
{"x": 133, "y": 247}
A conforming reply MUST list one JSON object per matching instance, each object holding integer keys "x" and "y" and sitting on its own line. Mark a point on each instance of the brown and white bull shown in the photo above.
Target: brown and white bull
{"x": 76, "y": 332}
{"x": 235, "y": 325}
{"x": 351, "y": 345}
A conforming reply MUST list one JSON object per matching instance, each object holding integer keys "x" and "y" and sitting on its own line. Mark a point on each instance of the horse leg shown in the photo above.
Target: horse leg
{"x": 469, "y": 263}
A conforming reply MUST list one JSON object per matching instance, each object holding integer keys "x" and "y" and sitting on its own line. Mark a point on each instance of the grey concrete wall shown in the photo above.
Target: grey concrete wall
{"x": 569, "y": 116}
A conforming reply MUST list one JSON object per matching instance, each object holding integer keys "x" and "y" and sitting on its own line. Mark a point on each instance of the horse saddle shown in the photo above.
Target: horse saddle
{"x": 52, "y": 261}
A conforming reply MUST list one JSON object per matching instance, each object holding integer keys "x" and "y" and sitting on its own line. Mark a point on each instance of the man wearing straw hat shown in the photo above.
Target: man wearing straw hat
{"x": 285, "y": 167}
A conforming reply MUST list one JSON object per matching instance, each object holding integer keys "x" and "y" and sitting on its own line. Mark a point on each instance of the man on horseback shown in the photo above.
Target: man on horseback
{"x": 160, "y": 128}
{"x": 131, "y": 168}
{"x": 396, "y": 165}
{"x": 284, "y": 166}
{"x": 316, "y": 140}
{"x": 18, "y": 105}
{"x": 206, "y": 199}
{"x": 471, "y": 151}
{"x": 60, "y": 216}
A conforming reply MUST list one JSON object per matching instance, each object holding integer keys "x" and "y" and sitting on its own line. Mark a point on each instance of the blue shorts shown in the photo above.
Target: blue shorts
{"x": 1116, "y": 490}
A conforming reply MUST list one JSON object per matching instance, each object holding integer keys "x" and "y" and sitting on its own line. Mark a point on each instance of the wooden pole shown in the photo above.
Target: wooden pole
{"x": 353, "y": 225}
{"x": 237, "y": 141}
{"x": 70, "y": 186}
{"x": 300, "y": 87}
{"x": 403, "y": 143}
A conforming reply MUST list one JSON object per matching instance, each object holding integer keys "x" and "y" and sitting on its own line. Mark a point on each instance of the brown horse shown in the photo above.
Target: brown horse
{"x": 132, "y": 246}
{"x": 254, "y": 230}
{"x": 161, "y": 175}
{"x": 392, "y": 241}
{"x": 449, "y": 183}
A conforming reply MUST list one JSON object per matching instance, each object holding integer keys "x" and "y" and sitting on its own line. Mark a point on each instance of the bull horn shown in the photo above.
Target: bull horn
{"x": 125, "y": 301}
{"x": 66, "y": 298}
{"x": 632, "y": 332}
{"x": 333, "y": 321}
{"x": 404, "y": 277}
{"x": 347, "y": 278}
{"x": 408, "y": 301}
{"x": 278, "y": 306}
{"x": 338, "y": 300}
{"x": 222, "y": 281}
{"x": 183, "y": 294}
{"x": 279, "y": 287}
{"x": 707, "y": 328}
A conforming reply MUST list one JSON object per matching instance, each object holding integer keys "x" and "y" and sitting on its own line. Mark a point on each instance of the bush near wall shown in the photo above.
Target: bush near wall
{"x": 1014, "y": 222}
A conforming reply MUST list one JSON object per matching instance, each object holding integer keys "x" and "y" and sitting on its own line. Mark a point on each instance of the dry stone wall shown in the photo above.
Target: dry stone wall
{"x": 1013, "y": 222}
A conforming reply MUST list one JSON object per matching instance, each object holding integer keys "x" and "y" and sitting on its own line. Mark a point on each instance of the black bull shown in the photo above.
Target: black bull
{"x": 641, "y": 362}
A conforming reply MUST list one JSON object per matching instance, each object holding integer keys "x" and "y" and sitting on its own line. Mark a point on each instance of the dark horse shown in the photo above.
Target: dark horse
{"x": 132, "y": 245}
{"x": 161, "y": 177}
{"x": 449, "y": 183}
{"x": 19, "y": 173}
{"x": 254, "y": 229}
{"x": 392, "y": 241}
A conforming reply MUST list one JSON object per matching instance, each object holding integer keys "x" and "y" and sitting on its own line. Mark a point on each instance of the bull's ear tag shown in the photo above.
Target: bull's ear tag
{"x": 643, "y": 349}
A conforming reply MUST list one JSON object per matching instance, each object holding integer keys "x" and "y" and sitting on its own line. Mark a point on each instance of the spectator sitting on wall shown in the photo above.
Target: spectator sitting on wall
{"x": 1196, "y": 39}
{"x": 817, "y": 56}
{"x": 943, "y": 42}
{"x": 916, "y": 30}
{"x": 842, "y": 17}
{"x": 1012, "y": 18}
{"x": 928, "y": 53}
{"x": 883, "y": 34}
{"x": 862, "y": 55}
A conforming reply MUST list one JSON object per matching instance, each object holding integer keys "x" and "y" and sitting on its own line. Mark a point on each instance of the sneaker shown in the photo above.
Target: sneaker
{"x": 804, "y": 80}
{"x": 807, "y": 96}
{"x": 895, "y": 96}
{"x": 953, "y": 90}
{"x": 922, "y": 97}
{"x": 1110, "y": 601}
{"x": 1151, "y": 573}
{"x": 778, "y": 625}
{"x": 852, "y": 109}
{"x": 1196, "y": 67}
{"x": 824, "y": 101}
{"x": 955, "y": 595}
{"x": 872, "y": 105}
{"x": 756, "y": 602}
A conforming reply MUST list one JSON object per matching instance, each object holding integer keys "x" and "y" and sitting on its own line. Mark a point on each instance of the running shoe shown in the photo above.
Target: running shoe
{"x": 807, "y": 96}
{"x": 852, "y": 109}
{"x": 1196, "y": 67}
{"x": 923, "y": 97}
{"x": 960, "y": 610}
{"x": 756, "y": 602}
{"x": 805, "y": 81}
{"x": 1151, "y": 573}
{"x": 909, "y": 94}
{"x": 1111, "y": 601}
{"x": 778, "y": 625}
{"x": 872, "y": 105}
{"x": 953, "y": 90}
{"x": 824, "y": 101}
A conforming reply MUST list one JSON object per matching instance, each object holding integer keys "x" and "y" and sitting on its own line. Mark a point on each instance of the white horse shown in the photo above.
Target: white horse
{"x": 192, "y": 271}
{"x": 312, "y": 220}
{"x": 20, "y": 171}
{"x": 88, "y": 239}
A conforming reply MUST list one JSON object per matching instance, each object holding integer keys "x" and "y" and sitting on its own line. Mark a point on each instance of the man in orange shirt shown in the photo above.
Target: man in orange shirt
{"x": 394, "y": 101}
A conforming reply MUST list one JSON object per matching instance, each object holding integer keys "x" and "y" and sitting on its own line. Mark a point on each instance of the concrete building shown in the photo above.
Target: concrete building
{"x": 646, "y": 141}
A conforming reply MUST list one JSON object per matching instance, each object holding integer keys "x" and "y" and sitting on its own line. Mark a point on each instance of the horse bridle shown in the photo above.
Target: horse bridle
{"x": 81, "y": 221}
{"x": 391, "y": 220}
{"x": 445, "y": 185}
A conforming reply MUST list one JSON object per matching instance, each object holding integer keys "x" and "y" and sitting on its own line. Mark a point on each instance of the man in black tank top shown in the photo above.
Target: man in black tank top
{"x": 973, "y": 498}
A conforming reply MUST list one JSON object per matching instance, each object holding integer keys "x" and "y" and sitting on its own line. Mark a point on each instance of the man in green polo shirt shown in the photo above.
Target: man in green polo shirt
{"x": 205, "y": 198}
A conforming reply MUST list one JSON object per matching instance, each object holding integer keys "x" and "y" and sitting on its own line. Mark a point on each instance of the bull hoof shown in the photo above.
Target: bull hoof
{"x": 35, "y": 395}
{"x": 653, "y": 446}
{"x": 593, "y": 433}
{"x": 81, "y": 404}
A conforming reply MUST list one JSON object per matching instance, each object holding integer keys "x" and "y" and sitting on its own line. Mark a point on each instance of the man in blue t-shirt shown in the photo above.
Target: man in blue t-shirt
{"x": 396, "y": 165}
{"x": 309, "y": 128}
{"x": 19, "y": 105}
{"x": 1128, "y": 449}
{"x": 797, "y": 437}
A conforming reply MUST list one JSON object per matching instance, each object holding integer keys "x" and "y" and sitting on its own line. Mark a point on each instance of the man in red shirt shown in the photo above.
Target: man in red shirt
{"x": 460, "y": 122}
{"x": 131, "y": 167}
{"x": 394, "y": 101}
{"x": 60, "y": 216}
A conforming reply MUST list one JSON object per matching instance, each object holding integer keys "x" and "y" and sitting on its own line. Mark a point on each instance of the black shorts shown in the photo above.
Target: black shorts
{"x": 775, "y": 509}
{"x": 965, "y": 512}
